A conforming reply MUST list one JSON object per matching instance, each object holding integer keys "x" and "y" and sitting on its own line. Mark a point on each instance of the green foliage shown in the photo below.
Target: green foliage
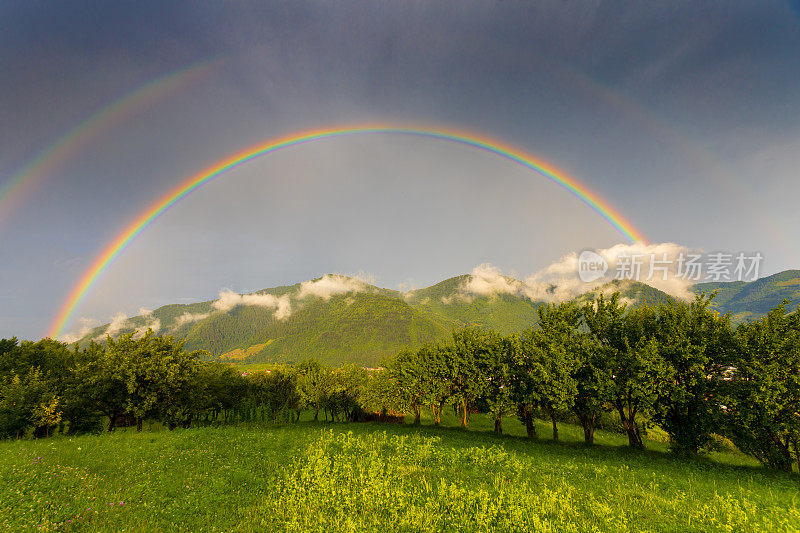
{"x": 763, "y": 389}
{"x": 696, "y": 343}
{"x": 636, "y": 370}
{"x": 157, "y": 374}
{"x": 550, "y": 359}
{"x": 27, "y": 402}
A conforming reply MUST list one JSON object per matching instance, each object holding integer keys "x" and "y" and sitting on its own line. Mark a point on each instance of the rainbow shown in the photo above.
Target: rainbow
{"x": 15, "y": 188}
{"x": 149, "y": 215}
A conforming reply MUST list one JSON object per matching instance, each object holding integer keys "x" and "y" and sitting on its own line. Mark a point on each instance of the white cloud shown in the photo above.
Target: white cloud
{"x": 560, "y": 280}
{"x": 118, "y": 323}
{"x": 488, "y": 280}
{"x": 229, "y": 299}
{"x": 187, "y": 318}
{"x": 86, "y": 326}
{"x": 154, "y": 324}
{"x": 333, "y": 284}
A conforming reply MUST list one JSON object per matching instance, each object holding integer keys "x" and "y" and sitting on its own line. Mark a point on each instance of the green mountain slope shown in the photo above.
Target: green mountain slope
{"x": 634, "y": 293}
{"x": 361, "y": 323}
{"x": 746, "y": 300}
{"x": 505, "y": 313}
{"x": 360, "y": 328}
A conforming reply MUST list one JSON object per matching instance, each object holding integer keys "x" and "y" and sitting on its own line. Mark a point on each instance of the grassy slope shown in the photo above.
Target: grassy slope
{"x": 318, "y": 476}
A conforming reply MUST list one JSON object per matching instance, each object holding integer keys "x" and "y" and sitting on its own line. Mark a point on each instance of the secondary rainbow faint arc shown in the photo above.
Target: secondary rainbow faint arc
{"x": 18, "y": 185}
{"x": 149, "y": 215}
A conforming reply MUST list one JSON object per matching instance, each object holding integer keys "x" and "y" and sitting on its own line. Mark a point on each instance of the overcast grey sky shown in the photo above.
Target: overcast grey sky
{"x": 685, "y": 116}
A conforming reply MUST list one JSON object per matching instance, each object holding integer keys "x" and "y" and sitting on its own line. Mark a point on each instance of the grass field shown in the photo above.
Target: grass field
{"x": 345, "y": 477}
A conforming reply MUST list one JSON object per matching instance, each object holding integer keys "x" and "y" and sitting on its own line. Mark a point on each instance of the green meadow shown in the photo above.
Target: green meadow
{"x": 318, "y": 476}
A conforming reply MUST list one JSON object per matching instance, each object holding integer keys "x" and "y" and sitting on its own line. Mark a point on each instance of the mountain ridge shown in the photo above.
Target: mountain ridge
{"x": 342, "y": 319}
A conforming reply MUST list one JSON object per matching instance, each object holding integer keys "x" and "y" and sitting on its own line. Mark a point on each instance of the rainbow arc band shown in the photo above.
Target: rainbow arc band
{"x": 14, "y": 189}
{"x": 156, "y": 209}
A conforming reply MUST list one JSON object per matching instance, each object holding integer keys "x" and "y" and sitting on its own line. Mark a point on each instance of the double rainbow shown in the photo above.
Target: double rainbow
{"x": 150, "y": 214}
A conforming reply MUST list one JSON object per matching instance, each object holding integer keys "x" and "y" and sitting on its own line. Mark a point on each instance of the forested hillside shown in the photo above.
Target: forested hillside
{"x": 338, "y": 319}
{"x": 745, "y": 300}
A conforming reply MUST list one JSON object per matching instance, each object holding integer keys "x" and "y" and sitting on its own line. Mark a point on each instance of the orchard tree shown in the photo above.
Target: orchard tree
{"x": 221, "y": 388}
{"x": 155, "y": 371}
{"x": 468, "y": 353}
{"x": 626, "y": 342}
{"x": 697, "y": 345}
{"x": 383, "y": 394}
{"x": 409, "y": 371}
{"x": 593, "y": 380}
{"x": 497, "y": 367}
{"x": 763, "y": 393}
{"x": 437, "y": 387}
{"x": 27, "y": 402}
{"x": 310, "y": 377}
{"x": 552, "y": 360}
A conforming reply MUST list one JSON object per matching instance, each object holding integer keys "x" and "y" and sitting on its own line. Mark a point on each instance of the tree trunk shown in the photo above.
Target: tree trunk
{"x": 552, "y": 413}
{"x": 111, "y": 421}
{"x": 417, "y": 414}
{"x": 138, "y": 423}
{"x": 785, "y": 461}
{"x": 316, "y": 414}
{"x": 797, "y": 454}
{"x": 464, "y": 414}
{"x": 634, "y": 438}
{"x": 437, "y": 414}
{"x": 498, "y": 424}
{"x": 588, "y": 428}
{"x": 529, "y": 427}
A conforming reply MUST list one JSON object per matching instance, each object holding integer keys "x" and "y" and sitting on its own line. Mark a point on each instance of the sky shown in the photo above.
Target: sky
{"x": 683, "y": 116}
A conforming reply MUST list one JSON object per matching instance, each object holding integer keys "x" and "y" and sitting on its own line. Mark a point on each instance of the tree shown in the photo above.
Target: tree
{"x": 155, "y": 371}
{"x": 35, "y": 377}
{"x": 101, "y": 384}
{"x": 221, "y": 388}
{"x": 408, "y": 369}
{"x": 593, "y": 382}
{"x": 551, "y": 357}
{"x": 695, "y": 342}
{"x": 27, "y": 402}
{"x": 383, "y": 395}
{"x": 310, "y": 378}
{"x": 468, "y": 352}
{"x": 498, "y": 363}
{"x": 435, "y": 366}
{"x": 763, "y": 392}
{"x": 626, "y": 342}
{"x": 524, "y": 386}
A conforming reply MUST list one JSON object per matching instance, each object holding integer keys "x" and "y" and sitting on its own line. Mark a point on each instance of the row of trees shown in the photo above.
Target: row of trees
{"x": 678, "y": 365}
{"x": 47, "y": 387}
